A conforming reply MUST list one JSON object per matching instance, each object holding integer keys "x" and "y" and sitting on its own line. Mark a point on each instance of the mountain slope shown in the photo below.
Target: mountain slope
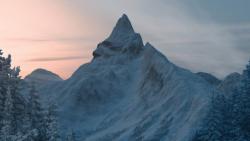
{"x": 130, "y": 91}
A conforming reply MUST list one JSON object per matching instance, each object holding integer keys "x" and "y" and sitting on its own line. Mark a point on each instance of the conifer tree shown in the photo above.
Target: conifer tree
{"x": 18, "y": 100}
{"x": 36, "y": 114}
{"x": 7, "y": 129}
{"x": 213, "y": 128}
{"x": 4, "y": 79}
{"x": 245, "y": 101}
{"x": 52, "y": 123}
{"x": 9, "y": 79}
{"x": 12, "y": 104}
{"x": 233, "y": 117}
{"x": 239, "y": 102}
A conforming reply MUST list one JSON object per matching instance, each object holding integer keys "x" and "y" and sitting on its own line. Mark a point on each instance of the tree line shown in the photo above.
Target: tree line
{"x": 229, "y": 116}
{"x": 24, "y": 119}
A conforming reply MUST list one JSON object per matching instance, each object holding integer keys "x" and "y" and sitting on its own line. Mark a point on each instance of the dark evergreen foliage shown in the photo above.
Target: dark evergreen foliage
{"x": 22, "y": 120}
{"x": 229, "y": 119}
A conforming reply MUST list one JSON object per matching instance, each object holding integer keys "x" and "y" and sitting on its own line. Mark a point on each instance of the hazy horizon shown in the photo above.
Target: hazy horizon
{"x": 60, "y": 35}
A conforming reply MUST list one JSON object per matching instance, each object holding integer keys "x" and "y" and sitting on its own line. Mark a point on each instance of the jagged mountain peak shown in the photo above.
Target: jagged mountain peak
{"x": 122, "y": 40}
{"x": 122, "y": 31}
{"x": 122, "y": 27}
{"x": 124, "y": 23}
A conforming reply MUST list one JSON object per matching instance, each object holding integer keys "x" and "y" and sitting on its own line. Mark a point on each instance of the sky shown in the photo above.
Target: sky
{"x": 59, "y": 35}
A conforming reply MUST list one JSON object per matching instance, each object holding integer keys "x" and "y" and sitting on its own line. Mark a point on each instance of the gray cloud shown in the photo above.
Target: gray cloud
{"x": 211, "y": 36}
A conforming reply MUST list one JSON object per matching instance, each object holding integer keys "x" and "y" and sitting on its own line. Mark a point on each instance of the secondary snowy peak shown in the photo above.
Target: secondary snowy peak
{"x": 209, "y": 78}
{"x": 42, "y": 76}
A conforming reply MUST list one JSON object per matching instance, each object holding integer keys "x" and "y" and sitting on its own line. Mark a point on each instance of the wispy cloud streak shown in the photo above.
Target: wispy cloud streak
{"x": 61, "y": 39}
{"x": 47, "y": 59}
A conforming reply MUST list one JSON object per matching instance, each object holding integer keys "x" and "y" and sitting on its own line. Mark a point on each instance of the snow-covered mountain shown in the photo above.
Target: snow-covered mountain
{"x": 130, "y": 91}
{"x": 42, "y": 77}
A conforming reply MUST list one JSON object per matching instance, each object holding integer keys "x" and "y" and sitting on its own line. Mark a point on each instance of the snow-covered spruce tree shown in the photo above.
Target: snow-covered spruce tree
{"x": 52, "y": 133}
{"x": 5, "y": 64}
{"x": 2, "y": 92}
{"x": 36, "y": 114}
{"x": 12, "y": 104}
{"x": 29, "y": 133}
{"x": 7, "y": 129}
{"x": 9, "y": 78}
{"x": 236, "y": 112}
{"x": 213, "y": 129}
{"x": 230, "y": 119}
{"x": 245, "y": 102}
{"x": 233, "y": 117}
{"x": 71, "y": 136}
{"x": 18, "y": 100}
